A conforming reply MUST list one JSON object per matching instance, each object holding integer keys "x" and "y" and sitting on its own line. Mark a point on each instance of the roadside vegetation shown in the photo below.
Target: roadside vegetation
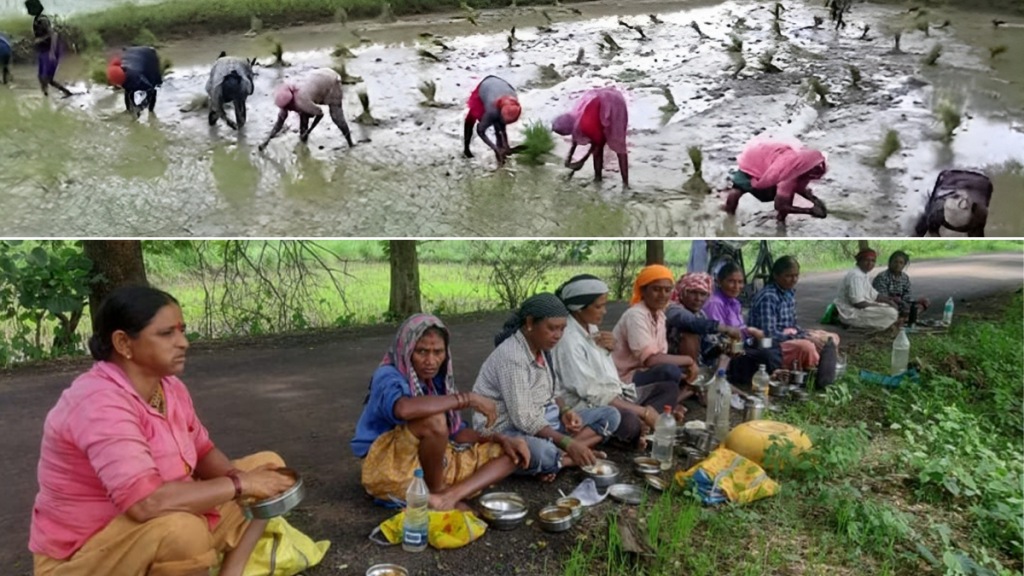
{"x": 253, "y": 288}
{"x": 922, "y": 479}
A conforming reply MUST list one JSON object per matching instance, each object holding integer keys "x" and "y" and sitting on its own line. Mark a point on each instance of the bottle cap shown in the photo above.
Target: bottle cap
{"x": 721, "y": 373}
{"x": 668, "y": 409}
{"x": 762, "y": 367}
{"x": 418, "y": 473}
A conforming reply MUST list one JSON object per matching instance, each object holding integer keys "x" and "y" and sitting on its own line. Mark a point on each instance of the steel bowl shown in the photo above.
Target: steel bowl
{"x": 386, "y": 570}
{"x": 646, "y": 465}
{"x": 573, "y": 504}
{"x": 555, "y": 518}
{"x": 626, "y": 493}
{"x": 603, "y": 472}
{"x": 656, "y": 482}
{"x": 277, "y": 505}
{"x": 503, "y": 510}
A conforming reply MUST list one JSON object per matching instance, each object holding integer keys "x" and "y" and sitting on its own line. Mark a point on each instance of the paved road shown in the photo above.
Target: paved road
{"x": 302, "y": 396}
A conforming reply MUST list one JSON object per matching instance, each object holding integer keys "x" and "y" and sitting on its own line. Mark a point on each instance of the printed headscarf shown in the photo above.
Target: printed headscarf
{"x": 399, "y": 355}
{"x": 648, "y": 274}
{"x": 509, "y": 108}
{"x": 540, "y": 306}
{"x": 692, "y": 281}
{"x": 581, "y": 291}
{"x": 866, "y": 252}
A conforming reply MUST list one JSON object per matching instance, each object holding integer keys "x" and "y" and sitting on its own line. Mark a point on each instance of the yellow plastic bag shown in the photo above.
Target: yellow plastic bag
{"x": 725, "y": 475}
{"x": 284, "y": 551}
{"x": 449, "y": 529}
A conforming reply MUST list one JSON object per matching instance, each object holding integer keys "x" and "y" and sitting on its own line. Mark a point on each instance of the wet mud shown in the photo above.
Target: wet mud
{"x": 82, "y": 166}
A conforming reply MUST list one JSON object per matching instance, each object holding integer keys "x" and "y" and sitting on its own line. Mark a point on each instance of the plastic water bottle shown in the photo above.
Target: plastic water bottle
{"x": 719, "y": 398}
{"x": 664, "y": 438}
{"x": 414, "y": 528}
{"x": 759, "y": 384}
{"x": 900, "y": 353}
{"x": 947, "y": 312}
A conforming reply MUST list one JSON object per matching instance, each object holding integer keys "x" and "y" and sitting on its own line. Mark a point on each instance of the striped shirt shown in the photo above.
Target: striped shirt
{"x": 521, "y": 385}
{"x": 889, "y": 285}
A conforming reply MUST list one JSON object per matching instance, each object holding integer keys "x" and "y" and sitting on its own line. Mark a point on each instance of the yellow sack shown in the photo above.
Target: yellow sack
{"x": 725, "y": 475}
{"x": 283, "y": 550}
{"x": 449, "y": 529}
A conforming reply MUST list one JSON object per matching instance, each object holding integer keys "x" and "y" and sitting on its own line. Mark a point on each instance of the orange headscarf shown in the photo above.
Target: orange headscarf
{"x": 115, "y": 74}
{"x": 509, "y": 108}
{"x": 649, "y": 274}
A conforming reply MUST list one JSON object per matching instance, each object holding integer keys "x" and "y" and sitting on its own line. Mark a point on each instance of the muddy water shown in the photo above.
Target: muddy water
{"x": 81, "y": 167}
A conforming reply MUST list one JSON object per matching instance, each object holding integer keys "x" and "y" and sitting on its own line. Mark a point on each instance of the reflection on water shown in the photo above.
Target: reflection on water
{"x": 81, "y": 166}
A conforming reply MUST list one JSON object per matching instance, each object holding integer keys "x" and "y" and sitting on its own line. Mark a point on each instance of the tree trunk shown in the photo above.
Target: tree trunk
{"x": 655, "y": 252}
{"x": 119, "y": 262}
{"x": 405, "y": 279}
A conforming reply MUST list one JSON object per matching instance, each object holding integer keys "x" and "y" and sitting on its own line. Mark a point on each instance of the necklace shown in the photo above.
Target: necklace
{"x": 157, "y": 399}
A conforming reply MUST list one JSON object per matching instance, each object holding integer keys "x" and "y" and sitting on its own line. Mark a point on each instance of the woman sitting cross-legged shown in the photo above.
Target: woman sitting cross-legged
{"x": 773, "y": 310}
{"x": 129, "y": 480}
{"x": 690, "y": 331}
{"x": 411, "y": 420}
{"x": 587, "y": 377}
{"x": 520, "y": 378}
{"x": 641, "y": 343}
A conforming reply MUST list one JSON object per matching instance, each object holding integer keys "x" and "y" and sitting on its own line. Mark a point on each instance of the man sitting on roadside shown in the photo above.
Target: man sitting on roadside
{"x": 411, "y": 419}
{"x": 893, "y": 285}
{"x": 857, "y": 303}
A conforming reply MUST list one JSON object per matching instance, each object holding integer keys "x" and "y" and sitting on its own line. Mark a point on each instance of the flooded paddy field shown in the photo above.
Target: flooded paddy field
{"x": 82, "y": 166}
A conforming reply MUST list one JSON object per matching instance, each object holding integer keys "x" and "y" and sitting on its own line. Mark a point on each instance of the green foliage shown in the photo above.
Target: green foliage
{"x": 518, "y": 268}
{"x": 537, "y": 144}
{"x": 41, "y": 283}
{"x": 866, "y": 524}
{"x": 144, "y": 38}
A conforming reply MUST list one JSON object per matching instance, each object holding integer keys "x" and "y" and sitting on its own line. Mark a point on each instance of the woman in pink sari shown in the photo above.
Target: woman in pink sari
{"x": 776, "y": 171}
{"x": 598, "y": 119}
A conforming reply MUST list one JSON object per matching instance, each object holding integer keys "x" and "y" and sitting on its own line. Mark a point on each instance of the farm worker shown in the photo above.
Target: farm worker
{"x": 319, "y": 87}
{"x": 893, "y": 285}
{"x": 230, "y": 81}
{"x": 129, "y": 480}
{"x": 519, "y": 376}
{"x": 48, "y": 47}
{"x": 776, "y": 171}
{"x": 411, "y": 419}
{"x": 598, "y": 119}
{"x": 857, "y": 302}
{"x": 137, "y": 69}
{"x": 492, "y": 103}
{"x": 5, "y": 58}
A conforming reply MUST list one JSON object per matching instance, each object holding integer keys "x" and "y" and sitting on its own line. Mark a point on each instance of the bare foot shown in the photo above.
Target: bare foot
{"x": 547, "y": 478}
{"x": 442, "y": 502}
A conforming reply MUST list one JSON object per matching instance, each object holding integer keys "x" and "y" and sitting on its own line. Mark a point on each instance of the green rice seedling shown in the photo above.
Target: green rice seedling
{"x": 864, "y": 32}
{"x": 765, "y": 60}
{"x": 739, "y": 24}
{"x": 514, "y": 4}
{"x": 277, "y": 51}
{"x": 949, "y": 116}
{"x": 547, "y": 16}
{"x": 741, "y": 64}
{"x": 342, "y": 51}
{"x": 670, "y": 106}
{"x": 428, "y": 55}
{"x": 610, "y": 42}
{"x": 933, "y": 55}
{"x": 365, "y": 118}
{"x": 897, "y": 36}
{"x": 855, "y": 76}
{"x": 549, "y": 75}
{"x": 429, "y": 89}
{"x": 145, "y": 38}
{"x": 890, "y": 145}
{"x": 464, "y": 6}
{"x": 537, "y": 144}
{"x": 579, "y": 55}
{"x": 511, "y": 44}
{"x": 735, "y": 45}
{"x": 700, "y": 32}
{"x": 923, "y": 26}
{"x": 512, "y": 33}
{"x": 777, "y": 29}
{"x": 777, "y": 11}
{"x": 165, "y": 65}
{"x": 994, "y": 51}
{"x": 255, "y": 25}
{"x": 818, "y": 90}
{"x": 440, "y": 44}
{"x": 387, "y": 14}
{"x": 634, "y": 28}
{"x": 695, "y": 183}
{"x": 655, "y": 20}
{"x": 346, "y": 78}
{"x": 341, "y": 15}
{"x": 818, "y": 21}
{"x": 945, "y": 24}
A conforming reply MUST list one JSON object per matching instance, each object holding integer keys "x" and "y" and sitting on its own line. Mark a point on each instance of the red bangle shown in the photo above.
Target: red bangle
{"x": 233, "y": 474}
